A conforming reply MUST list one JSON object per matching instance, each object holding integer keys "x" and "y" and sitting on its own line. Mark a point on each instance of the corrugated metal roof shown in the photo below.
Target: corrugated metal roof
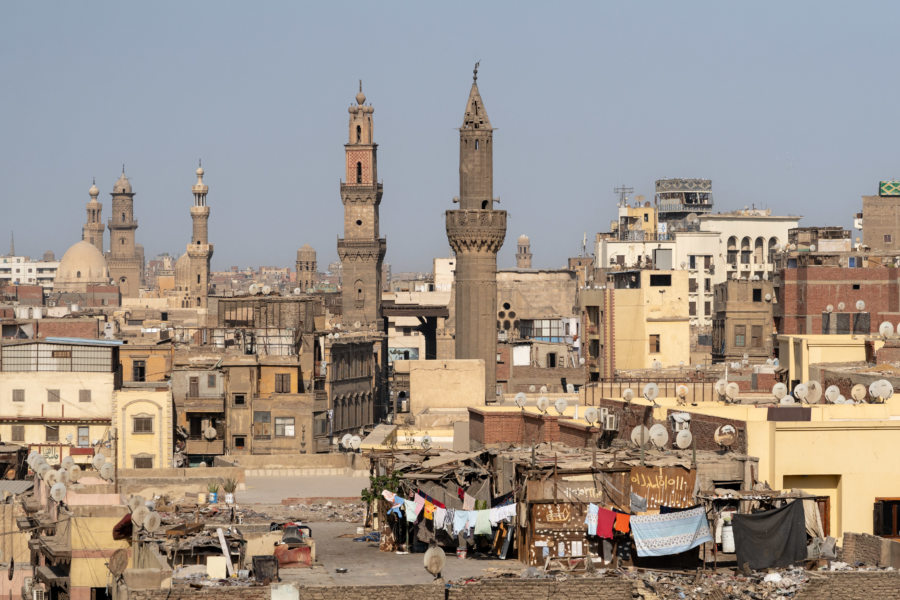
{"x": 15, "y": 486}
{"x": 83, "y": 341}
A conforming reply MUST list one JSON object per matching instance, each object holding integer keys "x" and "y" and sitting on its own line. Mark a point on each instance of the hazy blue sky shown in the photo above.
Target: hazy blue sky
{"x": 787, "y": 105}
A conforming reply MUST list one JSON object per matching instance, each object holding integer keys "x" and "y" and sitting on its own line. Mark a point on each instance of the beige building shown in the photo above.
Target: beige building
{"x": 125, "y": 257}
{"x": 743, "y": 324}
{"x": 880, "y": 218}
{"x": 143, "y": 422}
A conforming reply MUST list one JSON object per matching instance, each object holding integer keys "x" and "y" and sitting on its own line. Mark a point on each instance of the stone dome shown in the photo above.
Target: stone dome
{"x": 523, "y": 239}
{"x": 122, "y": 185}
{"x": 94, "y": 191}
{"x": 82, "y": 264}
{"x": 183, "y": 272}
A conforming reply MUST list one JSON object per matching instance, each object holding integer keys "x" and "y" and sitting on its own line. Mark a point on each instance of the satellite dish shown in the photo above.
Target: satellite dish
{"x": 67, "y": 462}
{"x": 841, "y": 400}
{"x": 812, "y": 247}
{"x": 779, "y": 390}
{"x": 787, "y": 401}
{"x": 58, "y": 491}
{"x": 561, "y": 405}
{"x": 681, "y": 391}
{"x": 253, "y": 289}
{"x": 692, "y": 218}
{"x": 659, "y": 436}
{"x": 209, "y": 433}
{"x": 829, "y": 308}
{"x": 355, "y": 441}
{"x": 118, "y": 561}
{"x": 135, "y": 502}
{"x": 345, "y": 441}
{"x": 885, "y": 389}
{"x": 860, "y": 305}
{"x": 266, "y": 290}
{"x": 531, "y": 388}
{"x": 858, "y": 392}
{"x": 543, "y": 404}
{"x": 591, "y": 414}
{"x": 139, "y": 515}
{"x": 74, "y": 473}
{"x": 356, "y": 324}
{"x": 650, "y": 391}
{"x": 886, "y": 328}
{"x": 297, "y": 291}
{"x": 50, "y": 476}
{"x": 152, "y": 521}
{"x": 768, "y": 297}
{"x": 434, "y": 560}
{"x": 426, "y": 442}
{"x": 656, "y": 365}
{"x": 841, "y": 306}
{"x": 628, "y": 394}
{"x": 720, "y": 387}
{"x": 98, "y": 460}
{"x": 732, "y": 390}
{"x": 725, "y": 435}
{"x": 801, "y": 392}
{"x": 640, "y": 433}
{"x": 543, "y": 389}
{"x": 42, "y": 468}
{"x": 684, "y": 438}
{"x": 520, "y": 399}
{"x": 108, "y": 471}
{"x": 832, "y": 392}
{"x": 31, "y": 456}
{"x": 69, "y": 438}
{"x": 815, "y": 392}
{"x": 570, "y": 388}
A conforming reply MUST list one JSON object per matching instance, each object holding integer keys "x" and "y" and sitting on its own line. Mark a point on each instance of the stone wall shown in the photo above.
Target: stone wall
{"x": 861, "y": 548}
{"x": 853, "y": 585}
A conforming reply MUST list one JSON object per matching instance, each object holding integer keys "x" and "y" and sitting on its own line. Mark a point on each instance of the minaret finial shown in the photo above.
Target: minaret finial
{"x": 200, "y": 162}
{"x": 475, "y": 72}
{"x": 93, "y": 181}
{"x": 360, "y": 85}
{"x": 12, "y": 243}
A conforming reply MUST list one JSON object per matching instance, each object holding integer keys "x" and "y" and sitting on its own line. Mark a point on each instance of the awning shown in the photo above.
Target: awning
{"x": 51, "y": 575}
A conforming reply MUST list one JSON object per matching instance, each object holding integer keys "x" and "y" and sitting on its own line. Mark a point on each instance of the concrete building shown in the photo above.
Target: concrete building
{"x": 523, "y": 252}
{"x": 677, "y": 199}
{"x": 92, "y": 231}
{"x": 476, "y": 232}
{"x": 743, "y": 323}
{"x": 307, "y": 269}
{"x": 880, "y": 218}
{"x": 192, "y": 269}
{"x": 125, "y": 257}
{"x": 22, "y": 270}
{"x": 143, "y": 420}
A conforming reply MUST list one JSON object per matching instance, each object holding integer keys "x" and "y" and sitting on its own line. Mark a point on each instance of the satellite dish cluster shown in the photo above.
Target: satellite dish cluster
{"x": 351, "y": 442}
{"x": 142, "y": 516}
{"x": 811, "y": 393}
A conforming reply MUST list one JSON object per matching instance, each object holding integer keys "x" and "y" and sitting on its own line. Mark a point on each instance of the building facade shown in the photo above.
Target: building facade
{"x": 742, "y": 326}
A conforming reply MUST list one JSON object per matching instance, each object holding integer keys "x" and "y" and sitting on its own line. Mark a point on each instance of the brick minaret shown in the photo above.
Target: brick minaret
{"x": 199, "y": 251}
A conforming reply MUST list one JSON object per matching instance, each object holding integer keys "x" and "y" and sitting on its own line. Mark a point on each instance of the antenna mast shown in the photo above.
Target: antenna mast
{"x": 623, "y": 192}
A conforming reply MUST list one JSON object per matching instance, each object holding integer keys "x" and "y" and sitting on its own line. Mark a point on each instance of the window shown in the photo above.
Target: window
{"x": 211, "y": 381}
{"x": 740, "y": 335}
{"x": 239, "y": 442}
{"x": 692, "y": 308}
{"x": 84, "y": 395}
{"x": 358, "y": 134}
{"x": 261, "y": 424}
{"x": 18, "y": 433}
{"x": 707, "y": 285}
{"x": 887, "y": 517}
{"x": 194, "y": 387}
{"x": 284, "y": 426}
{"x": 52, "y": 395}
{"x": 142, "y": 424}
{"x": 756, "y": 336}
{"x": 84, "y": 436}
{"x": 476, "y": 144}
{"x": 282, "y": 383}
{"x": 692, "y": 261}
{"x": 18, "y": 395}
{"x": 654, "y": 343}
{"x": 198, "y": 274}
{"x": 646, "y": 218}
{"x": 143, "y": 462}
{"x": 551, "y": 360}
{"x": 855, "y": 286}
{"x": 61, "y": 354}
{"x": 660, "y": 280}
{"x": 757, "y": 295}
{"x": 51, "y": 433}
{"x": 861, "y": 323}
{"x": 358, "y": 172}
{"x": 888, "y": 238}
{"x": 138, "y": 370}
{"x": 239, "y": 400}
{"x": 692, "y": 285}
{"x": 842, "y": 323}
{"x": 706, "y": 307}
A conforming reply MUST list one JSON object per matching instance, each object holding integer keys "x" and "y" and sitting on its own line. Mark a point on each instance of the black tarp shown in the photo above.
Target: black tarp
{"x": 774, "y": 538}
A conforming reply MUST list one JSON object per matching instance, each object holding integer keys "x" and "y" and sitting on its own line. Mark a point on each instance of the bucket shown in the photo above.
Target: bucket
{"x": 460, "y": 553}
{"x": 201, "y": 498}
{"x": 213, "y": 497}
{"x": 727, "y": 539}
{"x": 229, "y": 498}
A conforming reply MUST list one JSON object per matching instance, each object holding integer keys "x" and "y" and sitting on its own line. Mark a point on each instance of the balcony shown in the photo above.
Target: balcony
{"x": 205, "y": 446}
{"x": 199, "y": 404}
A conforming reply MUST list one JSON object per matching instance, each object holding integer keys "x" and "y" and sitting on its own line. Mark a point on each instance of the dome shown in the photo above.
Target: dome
{"x": 82, "y": 264}
{"x": 183, "y": 272}
{"x": 360, "y": 98}
{"x": 122, "y": 185}
{"x": 94, "y": 191}
{"x": 523, "y": 239}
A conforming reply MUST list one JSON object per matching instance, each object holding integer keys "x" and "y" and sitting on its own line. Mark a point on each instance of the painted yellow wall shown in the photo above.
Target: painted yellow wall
{"x": 146, "y": 402}
{"x": 93, "y": 533}
{"x": 267, "y": 378}
{"x": 158, "y": 362}
{"x": 797, "y": 352}
{"x": 445, "y": 383}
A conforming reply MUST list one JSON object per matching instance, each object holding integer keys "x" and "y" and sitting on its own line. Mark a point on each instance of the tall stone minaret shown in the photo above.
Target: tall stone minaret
{"x": 476, "y": 232}
{"x": 199, "y": 250}
{"x": 523, "y": 252}
{"x": 361, "y": 250}
{"x": 93, "y": 228}
{"x": 126, "y": 264}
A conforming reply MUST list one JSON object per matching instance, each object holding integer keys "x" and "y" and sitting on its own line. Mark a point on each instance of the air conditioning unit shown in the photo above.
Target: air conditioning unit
{"x": 28, "y": 585}
{"x": 611, "y": 423}
{"x": 604, "y": 412}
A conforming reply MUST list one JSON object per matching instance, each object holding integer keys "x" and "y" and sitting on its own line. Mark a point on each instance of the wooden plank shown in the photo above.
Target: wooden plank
{"x": 225, "y": 552}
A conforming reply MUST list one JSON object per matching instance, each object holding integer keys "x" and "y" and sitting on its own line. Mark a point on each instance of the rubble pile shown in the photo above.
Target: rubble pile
{"x": 313, "y": 513}
{"x": 660, "y": 585}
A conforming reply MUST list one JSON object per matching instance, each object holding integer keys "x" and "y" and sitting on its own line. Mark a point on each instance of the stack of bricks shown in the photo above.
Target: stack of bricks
{"x": 861, "y": 548}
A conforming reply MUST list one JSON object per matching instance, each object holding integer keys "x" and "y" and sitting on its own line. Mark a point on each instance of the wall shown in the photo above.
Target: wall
{"x": 882, "y": 585}
{"x": 157, "y": 360}
{"x": 157, "y": 445}
{"x": 430, "y": 380}
{"x": 798, "y": 352}
{"x": 90, "y": 535}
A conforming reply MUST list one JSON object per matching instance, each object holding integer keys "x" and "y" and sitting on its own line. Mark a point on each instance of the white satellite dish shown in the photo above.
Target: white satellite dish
{"x": 543, "y": 389}
{"x": 67, "y": 462}
{"x": 98, "y": 460}
{"x": 886, "y": 328}
{"x": 108, "y": 471}
{"x": 531, "y": 388}
{"x": 426, "y": 442}
{"x": 801, "y": 392}
{"x": 253, "y": 289}
{"x": 42, "y": 468}
{"x": 860, "y": 305}
{"x": 570, "y": 388}
{"x": 628, "y": 394}
{"x": 832, "y": 392}
{"x": 829, "y": 308}
{"x": 768, "y": 297}
{"x": 135, "y": 502}
{"x": 356, "y": 324}
{"x": 640, "y": 435}
{"x": 659, "y": 436}
{"x": 732, "y": 390}
{"x": 69, "y": 438}
{"x": 51, "y": 477}
{"x": 297, "y": 291}
{"x": 720, "y": 387}
{"x": 520, "y": 399}
{"x": 656, "y": 365}
{"x": 650, "y": 391}
{"x": 152, "y": 521}
{"x": 139, "y": 515}
{"x": 841, "y": 400}
{"x": 787, "y": 401}
{"x": 841, "y": 306}
{"x": 345, "y": 441}
{"x": 74, "y": 473}
{"x": 32, "y": 455}
{"x": 885, "y": 389}
{"x": 561, "y": 405}
{"x": 858, "y": 392}
{"x": 355, "y": 441}
{"x": 815, "y": 392}
{"x": 812, "y": 247}
{"x": 682, "y": 391}
{"x": 684, "y": 438}
{"x": 266, "y": 290}
{"x": 779, "y": 390}
{"x": 725, "y": 435}
{"x": 543, "y": 404}
{"x": 209, "y": 433}
{"x": 58, "y": 491}
{"x": 591, "y": 414}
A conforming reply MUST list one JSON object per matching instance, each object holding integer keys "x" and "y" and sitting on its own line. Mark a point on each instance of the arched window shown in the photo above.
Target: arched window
{"x": 198, "y": 277}
{"x": 358, "y": 172}
{"x": 123, "y": 217}
{"x": 476, "y": 144}
{"x": 78, "y": 274}
{"x": 358, "y": 134}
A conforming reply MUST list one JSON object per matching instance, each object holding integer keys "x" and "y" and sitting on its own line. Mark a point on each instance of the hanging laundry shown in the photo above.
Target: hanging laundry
{"x": 448, "y": 519}
{"x": 460, "y": 519}
{"x": 482, "y": 522}
{"x": 622, "y": 523}
{"x": 429, "y": 510}
{"x": 469, "y": 502}
{"x": 440, "y": 515}
{"x": 638, "y": 503}
{"x": 420, "y": 503}
{"x": 774, "y": 538}
{"x": 662, "y": 535}
{"x": 398, "y": 504}
{"x": 590, "y": 519}
{"x": 605, "y": 520}
{"x": 389, "y": 496}
{"x": 411, "y": 512}
{"x": 430, "y": 499}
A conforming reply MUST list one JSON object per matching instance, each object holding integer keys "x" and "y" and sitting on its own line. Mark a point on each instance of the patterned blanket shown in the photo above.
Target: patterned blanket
{"x": 662, "y": 535}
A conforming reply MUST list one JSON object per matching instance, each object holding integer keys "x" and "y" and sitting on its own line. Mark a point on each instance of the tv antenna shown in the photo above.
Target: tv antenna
{"x": 623, "y": 192}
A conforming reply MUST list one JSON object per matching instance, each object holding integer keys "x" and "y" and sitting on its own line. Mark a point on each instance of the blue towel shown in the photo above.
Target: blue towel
{"x": 662, "y": 535}
{"x": 460, "y": 521}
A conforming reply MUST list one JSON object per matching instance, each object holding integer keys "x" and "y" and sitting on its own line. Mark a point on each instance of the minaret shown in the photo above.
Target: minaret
{"x": 523, "y": 253}
{"x": 125, "y": 263}
{"x": 93, "y": 228}
{"x": 199, "y": 251}
{"x": 307, "y": 269}
{"x": 361, "y": 250}
{"x": 476, "y": 232}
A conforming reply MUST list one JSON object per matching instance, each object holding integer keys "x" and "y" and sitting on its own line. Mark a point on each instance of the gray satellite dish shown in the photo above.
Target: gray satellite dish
{"x": 108, "y": 471}
{"x": 684, "y": 438}
{"x": 591, "y": 415}
{"x": 638, "y": 434}
{"x": 152, "y": 521}
{"x": 841, "y": 400}
{"x": 355, "y": 441}
{"x": 58, "y": 491}
{"x": 779, "y": 390}
{"x": 832, "y": 392}
{"x": 651, "y": 391}
{"x": 118, "y": 561}
{"x": 659, "y": 436}
{"x": 815, "y": 392}
{"x": 543, "y": 404}
{"x": 520, "y": 399}
{"x": 98, "y": 460}
{"x": 426, "y": 442}
{"x": 561, "y": 405}
{"x": 74, "y": 473}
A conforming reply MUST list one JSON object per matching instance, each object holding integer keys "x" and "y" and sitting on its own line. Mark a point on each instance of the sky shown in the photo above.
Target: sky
{"x": 784, "y": 105}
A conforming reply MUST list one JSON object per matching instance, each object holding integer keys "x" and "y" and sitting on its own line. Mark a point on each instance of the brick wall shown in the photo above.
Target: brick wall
{"x": 703, "y": 428}
{"x": 853, "y": 585}
{"x": 577, "y": 435}
{"x": 861, "y": 548}
{"x": 527, "y": 589}
{"x": 77, "y": 328}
